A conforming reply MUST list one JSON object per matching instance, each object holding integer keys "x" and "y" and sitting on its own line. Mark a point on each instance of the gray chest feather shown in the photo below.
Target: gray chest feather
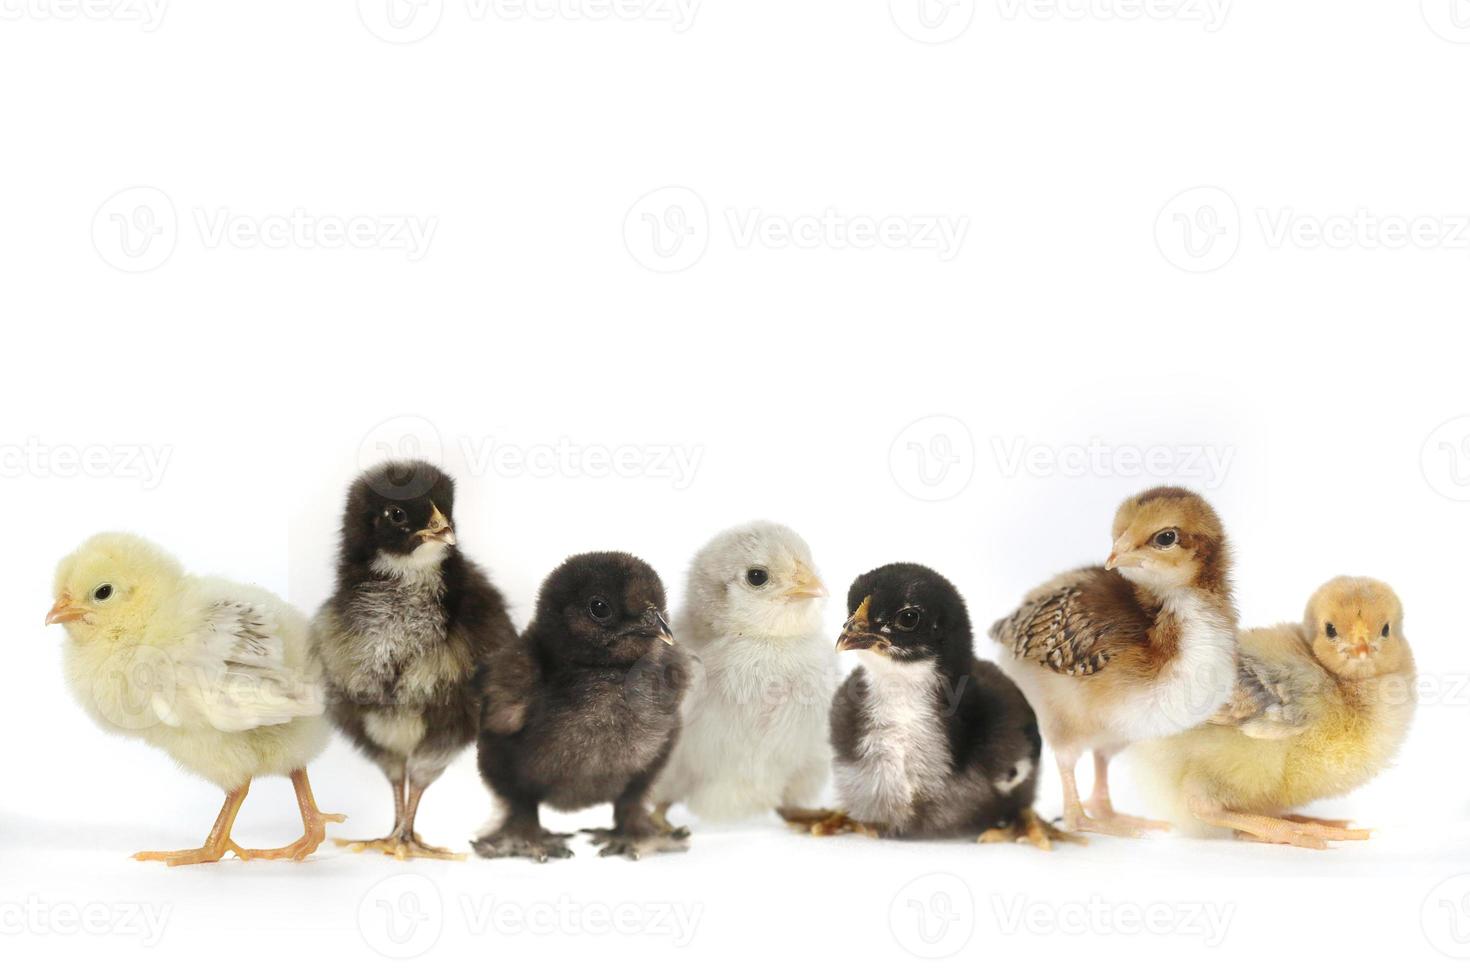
{"x": 395, "y": 627}
{"x": 902, "y": 755}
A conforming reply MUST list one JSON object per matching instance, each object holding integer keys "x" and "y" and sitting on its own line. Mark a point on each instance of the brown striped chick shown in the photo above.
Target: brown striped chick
{"x": 1141, "y": 647}
{"x": 1319, "y": 708}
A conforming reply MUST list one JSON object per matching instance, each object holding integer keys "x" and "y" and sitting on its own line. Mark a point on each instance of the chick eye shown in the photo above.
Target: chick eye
{"x": 757, "y": 577}
{"x": 908, "y": 619}
{"x": 1384, "y": 634}
{"x": 396, "y": 515}
{"x": 1166, "y": 539}
{"x": 1331, "y": 632}
{"x": 599, "y": 609}
{"x": 102, "y": 593}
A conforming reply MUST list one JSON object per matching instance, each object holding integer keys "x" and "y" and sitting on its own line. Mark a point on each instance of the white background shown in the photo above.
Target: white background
{"x": 1096, "y": 300}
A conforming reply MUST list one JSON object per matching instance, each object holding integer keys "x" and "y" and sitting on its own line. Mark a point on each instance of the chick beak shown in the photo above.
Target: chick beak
{"x": 64, "y": 612}
{"x": 806, "y": 586}
{"x": 657, "y": 626}
{"x": 1122, "y": 557}
{"x": 857, "y": 632}
{"x": 438, "y": 529}
{"x": 1362, "y": 645}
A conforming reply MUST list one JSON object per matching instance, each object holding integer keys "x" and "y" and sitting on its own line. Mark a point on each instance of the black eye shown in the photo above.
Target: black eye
{"x": 1166, "y": 539}
{"x": 1385, "y": 631}
{"x": 1331, "y": 632}
{"x": 599, "y": 609}
{"x": 396, "y": 515}
{"x": 757, "y": 577}
{"x": 104, "y": 592}
{"x": 908, "y": 619}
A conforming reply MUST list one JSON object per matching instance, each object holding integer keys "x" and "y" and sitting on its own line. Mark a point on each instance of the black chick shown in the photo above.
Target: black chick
{"x": 584, "y": 710}
{"x": 404, "y": 635}
{"x": 928, "y": 740}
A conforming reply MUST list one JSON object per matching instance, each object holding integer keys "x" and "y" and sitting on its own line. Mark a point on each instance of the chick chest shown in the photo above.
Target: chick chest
{"x": 902, "y": 756}
{"x": 395, "y": 643}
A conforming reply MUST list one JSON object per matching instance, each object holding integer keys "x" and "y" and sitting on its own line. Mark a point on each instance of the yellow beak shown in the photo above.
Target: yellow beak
{"x": 64, "y": 612}
{"x": 1122, "y": 557}
{"x": 806, "y": 586}
{"x": 438, "y": 529}
{"x": 856, "y": 635}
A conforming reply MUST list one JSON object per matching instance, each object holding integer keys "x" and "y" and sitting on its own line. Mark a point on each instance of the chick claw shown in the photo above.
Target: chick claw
{"x": 827, "y": 823}
{"x": 402, "y": 848}
{"x": 1113, "y": 824}
{"x": 194, "y": 855}
{"x": 616, "y": 843}
{"x": 1030, "y": 829}
{"x": 540, "y": 849}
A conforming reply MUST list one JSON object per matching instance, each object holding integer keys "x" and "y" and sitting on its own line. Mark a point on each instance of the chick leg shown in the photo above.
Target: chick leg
{"x": 827, "y": 823}
{"x": 521, "y": 835}
{"x": 313, "y": 821}
{"x": 1100, "y": 805}
{"x": 216, "y": 845}
{"x": 383, "y": 845}
{"x": 660, "y": 817}
{"x": 1075, "y": 817}
{"x": 1029, "y": 828}
{"x": 410, "y": 844}
{"x": 1272, "y": 830}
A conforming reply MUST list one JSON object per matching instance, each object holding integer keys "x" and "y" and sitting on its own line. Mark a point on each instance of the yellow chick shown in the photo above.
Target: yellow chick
{"x": 1318, "y": 709}
{"x": 213, "y": 672}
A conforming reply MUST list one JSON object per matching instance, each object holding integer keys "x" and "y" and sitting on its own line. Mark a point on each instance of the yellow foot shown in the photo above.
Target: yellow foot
{"x": 1293, "y": 833}
{"x": 1112, "y": 823}
{"x": 402, "y": 848}
{"x": 196, "y": 855}
{"x": 303, "y": 847}
{"x": 1030, "y": 829}
{"x": 827, "y": 823}
{"x": 1322, "y": 822}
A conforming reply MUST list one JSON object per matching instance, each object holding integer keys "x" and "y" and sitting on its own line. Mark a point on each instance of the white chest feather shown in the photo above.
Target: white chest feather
{"x": 903, "y": 753}
{"x": 1196, "y": 682}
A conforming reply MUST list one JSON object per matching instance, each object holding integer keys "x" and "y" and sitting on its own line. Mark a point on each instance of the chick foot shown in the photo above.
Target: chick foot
{"x": 1030, "y": 829}
{"x": 827, "y": 823}
{"x": 1111, "y": 823}
{"x": 208, "y": 854}
{"x": 1276, "y": 830}
{"x": 540, "y": 847}
{"x": 402, "y": 847}
{"x": 1319, "y": 821}
{"x": 621, "y": 843}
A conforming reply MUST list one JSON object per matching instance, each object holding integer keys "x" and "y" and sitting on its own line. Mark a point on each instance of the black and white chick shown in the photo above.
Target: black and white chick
{"x": 403, "y": 637}
{"x": 584, "y": 711}
{"x": 929, "y": 742}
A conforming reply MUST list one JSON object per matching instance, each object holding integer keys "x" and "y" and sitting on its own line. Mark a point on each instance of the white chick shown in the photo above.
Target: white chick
{"x": 756, "y": 724}
{"x": 213, "y": 672}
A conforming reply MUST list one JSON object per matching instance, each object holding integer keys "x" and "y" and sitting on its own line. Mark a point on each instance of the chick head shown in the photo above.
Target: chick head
{"x": 1356, "y": 626}
{"x": 905, "y": 616}
{"x": 110, "y": 587}
{"x": 399, "y": 517}
{"x": 1169, "y": 538}
{"x": 602, "y": 609}
{"x": 756, "y": 579}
